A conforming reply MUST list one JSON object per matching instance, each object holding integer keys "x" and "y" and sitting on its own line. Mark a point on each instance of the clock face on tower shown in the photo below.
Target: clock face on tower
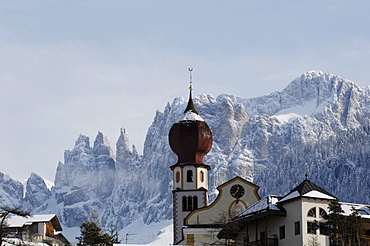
{"x": 237, "y": 191}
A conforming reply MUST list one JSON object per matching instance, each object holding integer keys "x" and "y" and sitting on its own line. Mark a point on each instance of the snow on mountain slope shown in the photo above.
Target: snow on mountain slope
{"x": 318, "y": 125}
{"x": 11, "y": 191}
{"x": 308, "y": 108}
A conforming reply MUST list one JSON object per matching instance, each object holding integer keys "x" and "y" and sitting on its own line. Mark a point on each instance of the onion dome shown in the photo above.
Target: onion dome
{"x": 190, "y": 137}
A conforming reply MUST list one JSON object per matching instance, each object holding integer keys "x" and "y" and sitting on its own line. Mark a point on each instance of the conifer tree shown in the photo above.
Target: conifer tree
{"x": 91, "y": 235}
{"x": 335, "y": 221}
{"x": 344, "y": 230}
{"x": 354, "y": 228}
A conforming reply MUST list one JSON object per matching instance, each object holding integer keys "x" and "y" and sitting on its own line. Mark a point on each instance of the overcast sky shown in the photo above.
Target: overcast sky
{"x": 72, "y": 67}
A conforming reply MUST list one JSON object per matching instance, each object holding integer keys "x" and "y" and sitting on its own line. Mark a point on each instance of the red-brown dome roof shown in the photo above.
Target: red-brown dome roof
{"x": 190, "y": 138}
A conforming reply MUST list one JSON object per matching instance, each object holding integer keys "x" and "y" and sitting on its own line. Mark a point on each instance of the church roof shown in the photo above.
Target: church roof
{"x": 268, "y": 203}
{"x": 190, "y": 106}
{"x": 308, "y": 189}
{"x": 267, "y": 206}
{"x": 190, "y": 113}
{"x": 190, "y": 137}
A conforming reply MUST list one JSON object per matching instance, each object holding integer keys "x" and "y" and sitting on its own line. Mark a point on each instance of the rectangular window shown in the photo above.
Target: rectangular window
{"x": 297, "y": 228}
{"x": 262, "y": 238}
{"x": 262, "y": 235}
{"x": 311, "y": 228}
{"x": 282, "y": 232}
{"x": 324, "y": 229}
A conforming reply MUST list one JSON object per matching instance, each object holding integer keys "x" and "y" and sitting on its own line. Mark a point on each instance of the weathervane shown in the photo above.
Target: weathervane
{"x": 191, "y": 79}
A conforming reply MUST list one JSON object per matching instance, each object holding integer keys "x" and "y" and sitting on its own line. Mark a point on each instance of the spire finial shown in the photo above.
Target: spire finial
{"x": 306, "y": 176}
{"x": 190, "y": 102}
{"x": 191, "y": 78}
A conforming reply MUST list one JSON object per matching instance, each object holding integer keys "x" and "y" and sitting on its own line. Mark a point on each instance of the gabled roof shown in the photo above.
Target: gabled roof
{"x": 18, "y": 221}
{"x": 308, "y": 189}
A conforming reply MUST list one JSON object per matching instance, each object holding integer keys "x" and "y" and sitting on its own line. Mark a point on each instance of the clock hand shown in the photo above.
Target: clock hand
{"x": 237, "y": 189}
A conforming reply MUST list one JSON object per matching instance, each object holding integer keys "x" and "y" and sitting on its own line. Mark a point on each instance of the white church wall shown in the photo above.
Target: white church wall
{"x": 307, "y": 204}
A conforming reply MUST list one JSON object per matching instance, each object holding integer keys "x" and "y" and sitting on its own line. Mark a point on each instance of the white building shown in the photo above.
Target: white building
{"x": 297, "y": 218}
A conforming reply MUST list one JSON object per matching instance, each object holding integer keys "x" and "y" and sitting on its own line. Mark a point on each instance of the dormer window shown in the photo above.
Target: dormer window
{"x": 312, "y": 213}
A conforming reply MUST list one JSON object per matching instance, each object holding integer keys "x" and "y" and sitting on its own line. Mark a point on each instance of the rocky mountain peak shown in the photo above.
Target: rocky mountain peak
{"x": 11, "y": 191}
{"x": 318, "y": 125}
{"x": 36, "y": 191}
{"x": 102, "y": 145}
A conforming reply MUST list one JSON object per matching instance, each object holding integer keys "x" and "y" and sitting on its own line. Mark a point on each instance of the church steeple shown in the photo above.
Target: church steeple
{"x": 190, "y": 139}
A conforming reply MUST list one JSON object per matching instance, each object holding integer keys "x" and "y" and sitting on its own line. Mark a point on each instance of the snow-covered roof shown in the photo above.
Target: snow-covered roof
{"x": 364, "y": 210}
{"x": 267, "y": 203}
{"x": 290, "y": 196}
{"x": 318, "y": 194}
{"x": 189, "y": 116}
{"x": 308, "y": 189}
{"x": 18, "y": 221}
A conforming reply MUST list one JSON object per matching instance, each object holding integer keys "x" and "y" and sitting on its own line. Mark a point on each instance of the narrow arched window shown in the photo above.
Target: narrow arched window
{"x": 201, "y": 176}
{"x": 190, "y": 203}
{"x": 177, "y": 177}
{"x": 184, "y": 203}
{"x": 189, "y": 176}
{"x": 195, "y": 202}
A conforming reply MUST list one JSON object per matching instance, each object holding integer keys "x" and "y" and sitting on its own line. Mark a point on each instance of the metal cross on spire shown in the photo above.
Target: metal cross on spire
{"x": 191, "y": 79}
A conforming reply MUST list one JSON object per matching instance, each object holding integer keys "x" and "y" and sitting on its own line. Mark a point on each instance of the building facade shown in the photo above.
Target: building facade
{"x": 298, "y": 218}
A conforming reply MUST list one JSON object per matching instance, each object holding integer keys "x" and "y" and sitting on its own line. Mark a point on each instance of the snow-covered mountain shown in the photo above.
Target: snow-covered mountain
{"x": 318, "y": 125}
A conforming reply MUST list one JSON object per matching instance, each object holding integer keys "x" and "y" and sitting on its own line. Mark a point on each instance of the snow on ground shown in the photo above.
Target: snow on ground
{"x": 136, "y": 233}
{"x": 140, "y": 234}
{"x": 16, "y": 241}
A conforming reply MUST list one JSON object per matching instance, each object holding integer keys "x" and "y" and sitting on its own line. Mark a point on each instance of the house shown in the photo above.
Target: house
{"x": 37, "y": 228}
{"x": 297, "y": 218}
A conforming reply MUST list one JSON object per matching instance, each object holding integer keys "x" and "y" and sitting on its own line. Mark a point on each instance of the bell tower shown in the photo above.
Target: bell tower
{"x": 190, "y": 139}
